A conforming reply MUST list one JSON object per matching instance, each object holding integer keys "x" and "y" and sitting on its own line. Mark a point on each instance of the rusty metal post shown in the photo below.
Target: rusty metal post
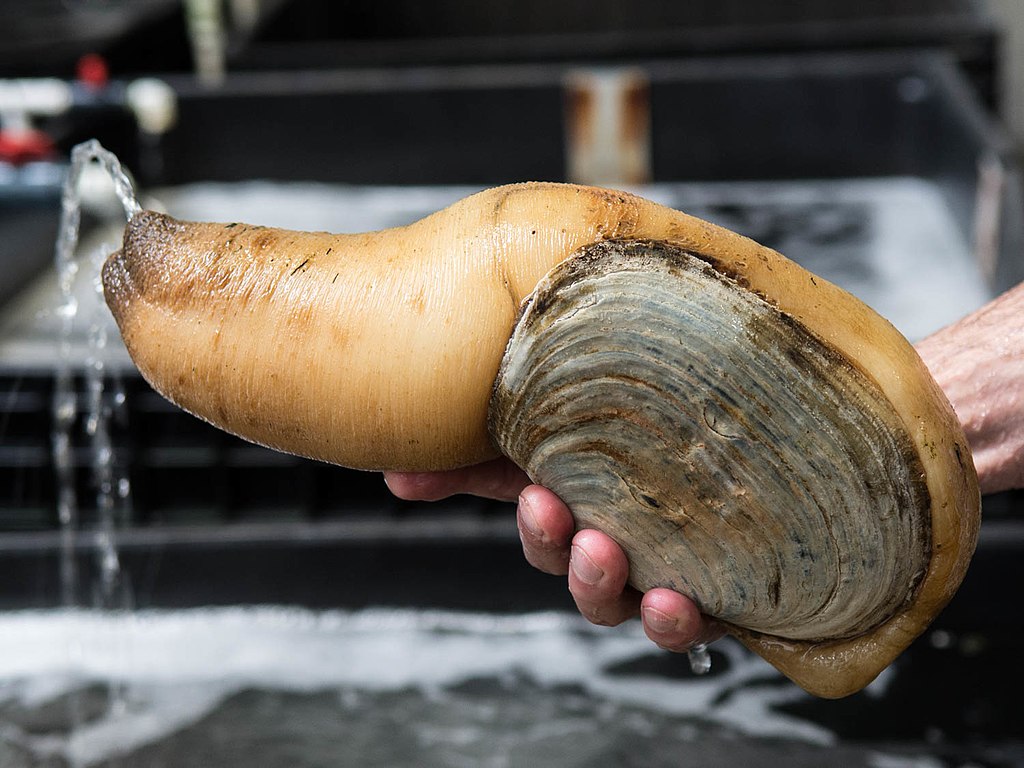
{"x": 608, "y": 126}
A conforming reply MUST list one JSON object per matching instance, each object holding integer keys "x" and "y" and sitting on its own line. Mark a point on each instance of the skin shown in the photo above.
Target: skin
{"x": 978, "y": 362}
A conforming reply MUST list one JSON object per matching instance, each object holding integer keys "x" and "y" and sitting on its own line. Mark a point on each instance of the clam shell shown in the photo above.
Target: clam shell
{"x": 736, "y": 456}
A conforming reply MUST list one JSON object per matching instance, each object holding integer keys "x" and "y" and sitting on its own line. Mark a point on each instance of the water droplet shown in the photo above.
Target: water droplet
{"x": 68, "y": 309}
{"x": 700, "y": 659}
{"x": 64, "y": 408}
{"x": 65, "y": 511}
{"x": 110, "y": 562}
{"x": 941, "y": 639}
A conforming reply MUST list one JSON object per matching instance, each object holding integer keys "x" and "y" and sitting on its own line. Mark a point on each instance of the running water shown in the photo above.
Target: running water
{"x": 112, "y": 488}
{"x": 99, "y": 407}
{"x": 110, "y": 482}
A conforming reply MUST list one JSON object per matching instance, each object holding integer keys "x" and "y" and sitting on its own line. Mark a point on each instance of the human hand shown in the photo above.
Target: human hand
{"x": 596, "y": 566}
{"x": 979, "y": 363}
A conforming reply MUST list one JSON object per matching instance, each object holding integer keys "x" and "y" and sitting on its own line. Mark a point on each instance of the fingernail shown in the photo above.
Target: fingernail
{"x": 528, "y": 518}
{"x": 658, "y": 621}
{"x": 586, "y": 570}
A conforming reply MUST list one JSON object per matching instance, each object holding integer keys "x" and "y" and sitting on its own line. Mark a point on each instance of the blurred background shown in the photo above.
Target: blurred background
{"x": 267, "y": 610}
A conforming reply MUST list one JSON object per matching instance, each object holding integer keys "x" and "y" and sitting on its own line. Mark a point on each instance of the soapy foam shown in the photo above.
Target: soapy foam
{"x": 176, "y": 667}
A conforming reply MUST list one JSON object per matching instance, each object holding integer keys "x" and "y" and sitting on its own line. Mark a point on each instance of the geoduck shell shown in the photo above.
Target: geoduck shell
{"x": 735, "y": 456}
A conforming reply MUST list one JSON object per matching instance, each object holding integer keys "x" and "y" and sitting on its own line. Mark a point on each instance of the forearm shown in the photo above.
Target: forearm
{"x": 979, "y": 363}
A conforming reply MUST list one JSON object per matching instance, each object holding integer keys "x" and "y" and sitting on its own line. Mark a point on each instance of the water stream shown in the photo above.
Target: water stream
{"x": 110, "y": 483}
{"x": 92, "y": 412}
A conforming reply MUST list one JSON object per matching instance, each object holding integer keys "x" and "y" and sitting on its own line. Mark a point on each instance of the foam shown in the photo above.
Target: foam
{"x": 175, "y": 667}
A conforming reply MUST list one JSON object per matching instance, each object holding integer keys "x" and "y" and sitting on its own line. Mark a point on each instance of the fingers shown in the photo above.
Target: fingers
{"x": 545, "y": 528}
{"x": 498, "y": 479}
{"x": 673, "y": 622}
{"x": 597, "y": 567}
{"x": 598, "y": 570}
